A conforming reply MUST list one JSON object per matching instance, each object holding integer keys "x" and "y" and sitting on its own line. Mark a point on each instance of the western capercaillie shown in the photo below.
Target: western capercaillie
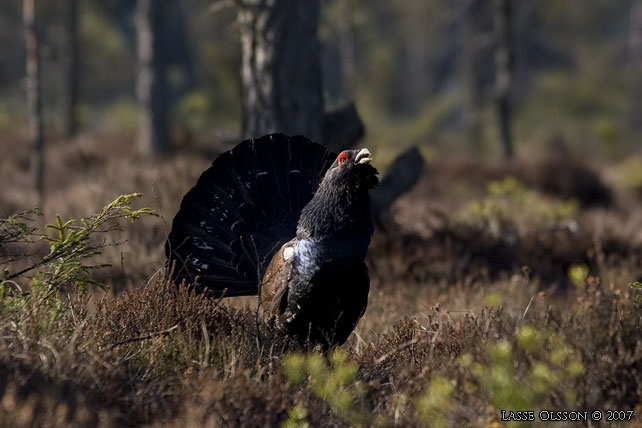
{"x": 283, "y": 218}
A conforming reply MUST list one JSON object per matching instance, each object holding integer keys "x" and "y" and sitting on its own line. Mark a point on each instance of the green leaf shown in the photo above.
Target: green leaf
{"x": 636, "y": 285}
{"x": 70, "y": 248}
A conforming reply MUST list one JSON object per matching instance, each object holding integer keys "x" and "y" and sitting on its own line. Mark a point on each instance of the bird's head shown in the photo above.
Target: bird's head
{"x": 351, "y": 171}
{"x": 342, "y": 201}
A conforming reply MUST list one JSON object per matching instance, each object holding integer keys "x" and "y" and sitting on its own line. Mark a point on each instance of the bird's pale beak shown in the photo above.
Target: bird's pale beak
{"x": 363, "y": 156}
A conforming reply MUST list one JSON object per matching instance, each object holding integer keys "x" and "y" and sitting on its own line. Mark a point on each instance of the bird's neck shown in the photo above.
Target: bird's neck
{"x": 334, "y": 229}
{"x": 332, "y": 232}
{"x": 336, "y": 216}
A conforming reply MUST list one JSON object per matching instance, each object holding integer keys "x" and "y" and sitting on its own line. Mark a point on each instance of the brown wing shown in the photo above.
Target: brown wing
{"x": 275, "y": 280}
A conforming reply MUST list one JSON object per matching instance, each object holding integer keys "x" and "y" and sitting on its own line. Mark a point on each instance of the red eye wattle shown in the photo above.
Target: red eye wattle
{"x": 343, "y": 158}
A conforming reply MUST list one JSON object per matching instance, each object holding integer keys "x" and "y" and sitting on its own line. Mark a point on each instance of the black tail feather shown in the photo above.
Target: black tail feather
{"x": 242, "y": 209}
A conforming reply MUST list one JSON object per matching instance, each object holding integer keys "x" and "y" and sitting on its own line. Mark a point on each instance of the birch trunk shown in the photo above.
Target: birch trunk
{"x": 34, "y": 96}
{"x": 502, "y": 19}
{"x": 151, "y": 86}
{"x": 280, "y": 70}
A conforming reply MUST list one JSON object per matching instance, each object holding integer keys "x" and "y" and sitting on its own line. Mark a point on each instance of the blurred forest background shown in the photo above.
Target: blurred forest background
{"x": 505, "y": 270}
{"x": 510, "y": 104}
{"x": 419, "y": 72}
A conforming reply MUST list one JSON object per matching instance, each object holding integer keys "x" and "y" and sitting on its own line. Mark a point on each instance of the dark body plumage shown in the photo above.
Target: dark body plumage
{"x": 283, "y": 217}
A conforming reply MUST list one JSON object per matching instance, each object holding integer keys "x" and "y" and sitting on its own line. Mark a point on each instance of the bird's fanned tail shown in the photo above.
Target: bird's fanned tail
{"x": 242, "y": 209}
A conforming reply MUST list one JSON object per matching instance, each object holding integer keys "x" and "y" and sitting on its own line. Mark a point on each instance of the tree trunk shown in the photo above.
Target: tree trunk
{"x": 182, "y": 48}
{"x": 635, "y": 66}
{"x": 280, "y": 73}
{"x": 468, "y": 73}
{"x": 502, "y": 19}
{"x": 342, "y": 128}
{"x": 152, "y": 81}
{"x": 71, "y": 115}
{"x": 34, "y": 101}
{"x": 402, "y": 174}
{"x": 347, "y": 54}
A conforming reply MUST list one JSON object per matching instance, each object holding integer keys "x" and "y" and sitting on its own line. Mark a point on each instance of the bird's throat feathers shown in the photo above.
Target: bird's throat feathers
{"x": 340, "y": 208}
{"x": 335, "y": 227}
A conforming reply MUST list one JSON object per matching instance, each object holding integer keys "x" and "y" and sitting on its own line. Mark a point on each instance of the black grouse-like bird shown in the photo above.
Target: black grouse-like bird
{"x": 283, "y": 218}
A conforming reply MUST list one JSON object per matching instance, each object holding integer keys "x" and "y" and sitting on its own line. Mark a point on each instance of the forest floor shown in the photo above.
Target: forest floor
{"x": 494, "y": 287}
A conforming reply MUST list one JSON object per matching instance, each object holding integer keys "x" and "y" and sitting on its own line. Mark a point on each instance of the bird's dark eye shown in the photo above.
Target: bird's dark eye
{"x": 343, "y": 158}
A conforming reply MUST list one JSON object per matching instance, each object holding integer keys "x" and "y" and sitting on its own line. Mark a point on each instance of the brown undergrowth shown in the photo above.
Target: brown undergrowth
{"x": 490, "y": 290}
{"x": 165, "y": 356}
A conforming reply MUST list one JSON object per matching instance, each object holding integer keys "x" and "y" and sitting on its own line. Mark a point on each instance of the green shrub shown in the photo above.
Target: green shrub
{"x": 509, "y": 201}
{"x": 333, "y": 380}
{"x": 433, "y": 404}
{"x": 524, "y": 372}
{"x": 72, "y": 247}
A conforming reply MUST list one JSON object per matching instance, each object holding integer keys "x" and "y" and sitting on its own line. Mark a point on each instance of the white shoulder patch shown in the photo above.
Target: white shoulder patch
{"x": 288, "y": 252}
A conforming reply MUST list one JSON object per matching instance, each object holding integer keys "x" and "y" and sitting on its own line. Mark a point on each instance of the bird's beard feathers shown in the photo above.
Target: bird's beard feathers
{"x": 341, "y": 205}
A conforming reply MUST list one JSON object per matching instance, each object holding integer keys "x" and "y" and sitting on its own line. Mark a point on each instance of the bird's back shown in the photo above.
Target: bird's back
{"x": 241, "y": 211}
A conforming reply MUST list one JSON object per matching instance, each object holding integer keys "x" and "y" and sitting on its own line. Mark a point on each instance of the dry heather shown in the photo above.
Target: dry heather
{"x": 206, "y": 364}
{"x": 491, "y": 289}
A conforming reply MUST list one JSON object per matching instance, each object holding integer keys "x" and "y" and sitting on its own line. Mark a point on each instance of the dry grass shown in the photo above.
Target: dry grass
{"x": 456, "y": 296}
